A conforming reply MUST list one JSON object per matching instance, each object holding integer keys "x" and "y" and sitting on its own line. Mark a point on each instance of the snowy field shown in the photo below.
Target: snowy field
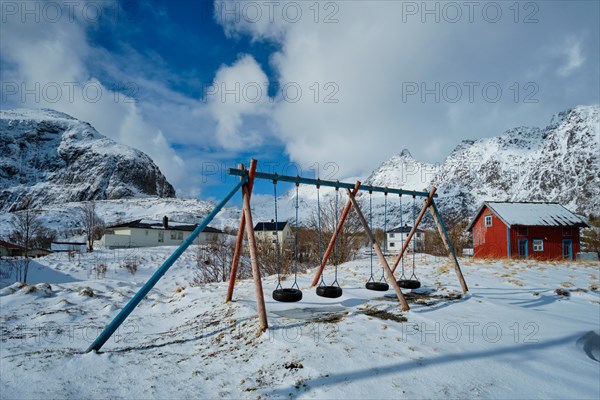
{"x": 511, "y": 337}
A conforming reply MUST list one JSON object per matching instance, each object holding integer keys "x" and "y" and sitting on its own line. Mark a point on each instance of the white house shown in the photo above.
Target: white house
{"x": 397, "y": 236}
{"x": 267, "y": 231}
{"x": 151, "y": 233}
{"x": 68, "y": 247}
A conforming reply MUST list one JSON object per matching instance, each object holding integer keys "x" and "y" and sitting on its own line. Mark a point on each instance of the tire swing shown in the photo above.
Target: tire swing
{"x": 412, "y": 282}
{"x": 292, "y": 294}
{"x": 372, "y": 284}
{"x": 334, "y": 290}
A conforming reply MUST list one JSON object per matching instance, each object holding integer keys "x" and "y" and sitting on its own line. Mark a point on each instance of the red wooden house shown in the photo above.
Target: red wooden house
{"x": 545, "y": 231}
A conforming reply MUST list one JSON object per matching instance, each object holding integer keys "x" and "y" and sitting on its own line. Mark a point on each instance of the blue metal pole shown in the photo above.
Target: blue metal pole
{"x": 139, "y": 296}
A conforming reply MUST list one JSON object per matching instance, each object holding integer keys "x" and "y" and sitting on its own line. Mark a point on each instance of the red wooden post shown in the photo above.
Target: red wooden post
{"x": 338, "y": 229}
{"x": 240, "y": 235}
{"x": 449, "y": 248}
{"x": 414, "y": 228}
{"x": 388, "y": 273}
{"x": 258, "y": 289}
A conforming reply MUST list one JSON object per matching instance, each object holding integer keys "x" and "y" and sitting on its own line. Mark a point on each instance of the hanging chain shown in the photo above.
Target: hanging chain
{"x": 277, "y": 257}
{"x": 335, "y": 246}
{"x": 415, "y": 235}
{"x": 370, "y": 226}
{"x": 321, "y": 282}
{"x": 296, "y": 245}
{"x": 402, "y": 235}
{"x": 382, "y": 279}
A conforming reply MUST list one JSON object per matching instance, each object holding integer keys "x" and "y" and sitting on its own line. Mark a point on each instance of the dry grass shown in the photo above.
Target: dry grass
{"x": 384, "y": 315}
{"x": 444, "y": 269}
{"x": 567, "y": 284}
{"x": 515, "y": 282}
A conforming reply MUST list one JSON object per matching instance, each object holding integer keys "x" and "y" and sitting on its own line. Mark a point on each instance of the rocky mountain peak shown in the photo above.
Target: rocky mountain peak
{"x": 51, "y": 157}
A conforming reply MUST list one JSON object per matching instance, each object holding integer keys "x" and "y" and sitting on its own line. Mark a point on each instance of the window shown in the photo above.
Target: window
{"x": 488, "y": 220}
{"x": 567, "y": 231}
{"x": 274, "y": 233}
{"x": 179, "y": 235}
{"x": 173, "y": 235}
{"x": 392, "y": 244}
{"x": 538, "y": 244}
{"x": 391, "y": 235}
{"x": 146, "y": 232}
{"x": 161, "y": 237}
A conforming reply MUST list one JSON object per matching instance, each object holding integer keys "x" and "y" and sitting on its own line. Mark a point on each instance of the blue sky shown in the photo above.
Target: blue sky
{"x": 201, "y": 86}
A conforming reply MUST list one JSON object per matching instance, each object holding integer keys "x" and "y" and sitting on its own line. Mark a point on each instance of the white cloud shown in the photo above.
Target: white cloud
{"x": 239, "y": 94}
{"x": 571, "y": 50}
{"x": 366, "y": 59}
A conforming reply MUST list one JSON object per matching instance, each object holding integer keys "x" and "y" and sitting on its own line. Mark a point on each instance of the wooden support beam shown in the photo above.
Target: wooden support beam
{"x": 388, "y": 272}
{"x": 426, "y": 204}
{"x": 240, "y": 235}
{"x": 437, "y": 218}
{"x": 258, "y": 289}
{"x": 338, "y": 229}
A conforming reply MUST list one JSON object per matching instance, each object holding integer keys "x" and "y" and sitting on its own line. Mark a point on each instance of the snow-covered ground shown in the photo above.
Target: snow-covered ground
{"x": 512, "y": 336}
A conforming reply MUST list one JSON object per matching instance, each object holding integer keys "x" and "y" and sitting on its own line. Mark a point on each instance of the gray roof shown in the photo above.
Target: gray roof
{"x": 531, "y": 214}
{"x": 270, "y": 226}
{"x": 404, "y": 229}
{"x": 172, "y": 225}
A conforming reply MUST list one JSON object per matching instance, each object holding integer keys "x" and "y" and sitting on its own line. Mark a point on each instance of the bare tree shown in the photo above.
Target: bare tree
{"x": 213, "y": 260}
{"x": 93, "y": 224}
{"x": 26, "y": 229}
{"x": 348, "y": 241}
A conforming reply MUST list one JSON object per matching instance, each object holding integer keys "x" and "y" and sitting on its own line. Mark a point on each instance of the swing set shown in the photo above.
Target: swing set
{"x": 293, "y": 293}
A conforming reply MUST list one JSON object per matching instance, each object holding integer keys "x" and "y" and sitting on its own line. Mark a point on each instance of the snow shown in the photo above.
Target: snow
{"x": 512, "y": 336}
{"x": 534, "y": 214}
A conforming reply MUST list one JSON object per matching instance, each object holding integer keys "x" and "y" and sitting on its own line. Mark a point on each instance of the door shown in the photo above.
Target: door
{"x": 523, "y": 248}
{"x": 568, "y": 249}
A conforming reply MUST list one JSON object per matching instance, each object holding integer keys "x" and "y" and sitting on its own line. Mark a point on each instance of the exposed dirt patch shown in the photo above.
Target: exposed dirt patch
{"x": 425, "y": 298}
{"x": 330, "y": 318}
{"x": 372, "y": 312}
{"x": 562, "y": 292}
{"x": 293, "y": 365}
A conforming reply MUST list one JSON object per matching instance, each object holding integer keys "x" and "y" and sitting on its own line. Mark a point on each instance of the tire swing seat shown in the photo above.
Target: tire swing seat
{"x": 378, "y": 286}
{"x": 412, "y": 282}
{"x": 281, "y": 294}
{"x": 330, "y": 292}
{"x": 409, "y": 284}
{"x": 287, "y": 295}
{"x": 372, "y": 284}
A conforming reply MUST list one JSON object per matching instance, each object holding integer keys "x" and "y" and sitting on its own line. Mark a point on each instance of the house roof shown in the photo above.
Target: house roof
{"x": 270, "y": 226}
{"x": 404, "y": 229}
{"x": 8, "y": 245}
{"x": 530, "y": 214}
{"x": 172, "y": 225}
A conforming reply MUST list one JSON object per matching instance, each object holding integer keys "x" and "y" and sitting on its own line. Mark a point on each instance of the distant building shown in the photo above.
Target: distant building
{"x": 397, "y": 236}
{"x": 10, "y": 250}
{"x": 545, "y": 231}
{"x": 68, "y": 247}
{"x": 14, "y": 250}
{"x": 267, "y": 231}
{"x": 152, "y": 233}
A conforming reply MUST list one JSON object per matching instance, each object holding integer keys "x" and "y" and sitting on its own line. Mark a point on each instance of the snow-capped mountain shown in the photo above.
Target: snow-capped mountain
{"x": 52, "y": 157}
{"x": 558, "y": 163}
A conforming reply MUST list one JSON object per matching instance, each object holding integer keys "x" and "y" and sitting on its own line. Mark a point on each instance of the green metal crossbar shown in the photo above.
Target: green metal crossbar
{"x": 321, "y": 182}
